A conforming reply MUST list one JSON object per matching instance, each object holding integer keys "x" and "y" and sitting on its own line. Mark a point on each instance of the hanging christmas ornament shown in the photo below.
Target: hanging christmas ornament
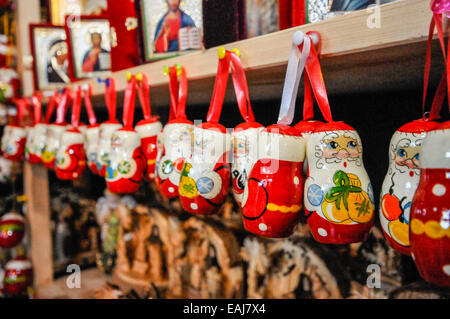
{"x": 71, "y": 157}
{"x": 6, "y": 170}
{"x": 149, "y": 128}
{"x": 273, "y": 196}
{"x": 176, "y": 136}
{"x": 338, "y": 195}
{"x": 55, "y": 131}
{"x": 205, "y": 177}
{"x": 12, "y": 230}
{"x": 18, "y": 276}
{"x": 403, "y": 174}
{"x": 244, "y": 138}
{"x": 92, "y": 131}
{"x": 14, "y": 135}
{"x": 107, "y": 128}
{"x": 125, "y": 170}
{"x": 430, "y": 210}
{"x": 9, "y": 84}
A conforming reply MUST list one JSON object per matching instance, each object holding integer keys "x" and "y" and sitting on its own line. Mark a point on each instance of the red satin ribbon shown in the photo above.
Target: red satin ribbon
{"x": 220, "y": 86}
{"x": 111, "y": 98}
{"x": 314, "y": 73}
{"x": 436, "y": 22}
{"x": 241, "y": 88}
{"x": 143, "y": 89}
{"x": 308, "y": 99}
{"x": 54, "y": 100}
{"x": 129, "y": 103}
{"x": 62, "y": 107}
{"x": 182, "y": 95}
{"x": 37, "y": 108}
{"x": 87, "y": 94}
{"x": 21, "y": 109}
{"x": 76, "y": 108}
{"x": 173, "y": 87}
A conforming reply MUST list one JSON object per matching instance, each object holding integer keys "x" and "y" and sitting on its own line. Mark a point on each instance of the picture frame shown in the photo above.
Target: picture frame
{"x": 89, "y": 47}
{"x": 158, "y": 20}
{"x": 57, "y": 10}
{"x": 49, "y": 48}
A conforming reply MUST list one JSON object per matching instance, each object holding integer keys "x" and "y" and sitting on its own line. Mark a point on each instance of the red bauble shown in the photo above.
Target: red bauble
{"x": 12, "y": 230}
{"x": 18, "y": 276}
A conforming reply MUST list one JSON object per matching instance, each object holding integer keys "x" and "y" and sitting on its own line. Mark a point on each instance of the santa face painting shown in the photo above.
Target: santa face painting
{"x": 338, "y": 193}
{"x": 35, "y": 145}
{"x": 91, "y": 146}
{"x": 54, "y": 134}
{"x": 104, "y": 145}
{"x": 205, "y": 177}
{"x": 177, "y": 141}
{"x": 125, "y": 170}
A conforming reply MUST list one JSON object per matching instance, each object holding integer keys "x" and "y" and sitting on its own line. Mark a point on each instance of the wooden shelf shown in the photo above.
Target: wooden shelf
{"x": 356, "y": 58}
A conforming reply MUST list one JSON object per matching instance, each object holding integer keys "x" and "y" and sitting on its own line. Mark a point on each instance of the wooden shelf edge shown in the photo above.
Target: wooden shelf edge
{"x": 401, "y": 22}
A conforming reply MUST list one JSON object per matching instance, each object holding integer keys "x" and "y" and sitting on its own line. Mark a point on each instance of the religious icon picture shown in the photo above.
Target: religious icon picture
{"x": 49, "y": 49}
{"x": 89, "y": 47}
{"x": 170, "y": 27}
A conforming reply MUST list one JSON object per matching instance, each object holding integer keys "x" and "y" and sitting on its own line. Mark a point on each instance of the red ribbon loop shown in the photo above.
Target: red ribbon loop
{"x": 220, "y": 86}
{"x": 143, "y": 89}
{"x": 87, "y": 94}
{"x": 129, "y": 103}
{"x": 54, "y": 100}
{"x": 315, "y": 76}
{"x": 76, "y": 108}
{"x": 37, "y": 108}
{"x": 308, "y": 100}
{"x": 182, "y": 95}
{"x": 173, "y": 87}
{"x": 241, "y": 88}
{"x": 111, "y": 98}
{"x": 21, "y": 110}
{"x": 62, "y": 107}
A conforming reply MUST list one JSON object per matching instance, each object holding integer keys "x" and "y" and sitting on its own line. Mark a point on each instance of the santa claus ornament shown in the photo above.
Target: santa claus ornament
{"x": 18, "y": 276}
{"x": 403, "y": 175}
{"x": 338, "y": 195}
{"x": 149, "y": 128}
{"x": 272, "y": 199}
{"x": 107, "y": 128}
{"x": 244, "y": 137}
{"x": 71, "y": 157}
{"x": 125, "y": 170}
{"x": 205, "y": 177}
{"x": 55, "y": 131}
{"x": 430, "y": 209}
{"x": 12, "y": 230}
{"x": 176, "y": 136}
{"x": 14, "y": 135}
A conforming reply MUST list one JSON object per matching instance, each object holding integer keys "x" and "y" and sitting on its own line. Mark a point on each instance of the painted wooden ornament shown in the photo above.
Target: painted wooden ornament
{"x": 244, "y": 137}
{"x": 148, "y": 128}
{"x": 401, "y": 182}
{"x": 71, "y": 157}
{"x": 338, "y": 193}
{"x": 205, "y": 177}
{"x": 430, "y": 210}
{"x": 272, "y": 199}
{"x": 176, "y": 137}
{"x": 12, "y": 230}
{"x": 107, "y": 128}
{"x": 14, "y": 135}
{"x": 55, "y": 131}
{"x": 18, "y": 276}
{"x": 125, "y": 170}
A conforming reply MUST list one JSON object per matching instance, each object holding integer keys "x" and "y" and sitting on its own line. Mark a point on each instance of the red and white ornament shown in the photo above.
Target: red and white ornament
{"x": 18, "y": 276}
{"x": 430, "y": 210}
{"x": 14, "y": 135}
{"x": 12, "y": 230}
{"x": 125, "y": 170}
{"x": 401, "y": 182}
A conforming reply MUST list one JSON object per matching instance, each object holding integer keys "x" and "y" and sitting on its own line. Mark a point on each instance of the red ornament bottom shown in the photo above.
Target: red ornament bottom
{"x": 123, "y": 186}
